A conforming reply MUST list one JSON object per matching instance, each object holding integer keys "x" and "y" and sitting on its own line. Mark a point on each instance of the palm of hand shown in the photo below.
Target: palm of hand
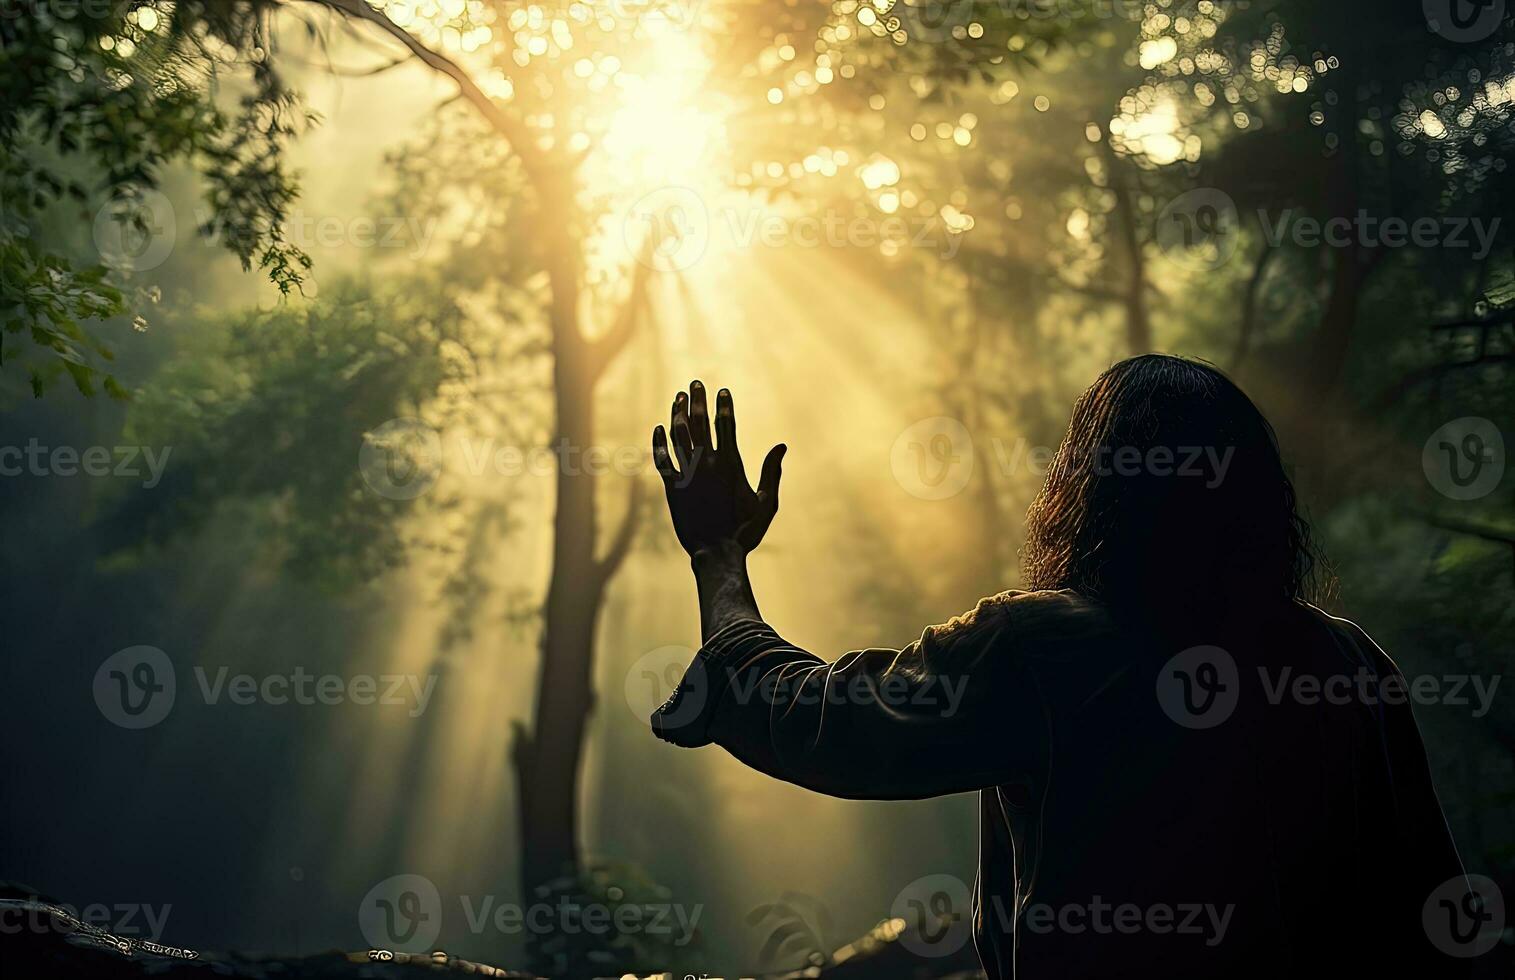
{"x": 712, "y": 505}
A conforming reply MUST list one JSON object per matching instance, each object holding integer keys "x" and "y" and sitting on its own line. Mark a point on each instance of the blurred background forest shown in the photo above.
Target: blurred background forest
{"x": 395, "y": 291}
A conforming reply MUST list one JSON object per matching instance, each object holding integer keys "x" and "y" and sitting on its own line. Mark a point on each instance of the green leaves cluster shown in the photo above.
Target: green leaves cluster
{"x": 265, "y": 413}
{"x": 100, "y": 97}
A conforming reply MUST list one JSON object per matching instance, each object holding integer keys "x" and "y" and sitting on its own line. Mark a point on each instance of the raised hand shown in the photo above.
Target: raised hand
{"x": 713, "y": 507}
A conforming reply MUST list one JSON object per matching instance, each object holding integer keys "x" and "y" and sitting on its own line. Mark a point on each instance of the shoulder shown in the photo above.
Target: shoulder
{"x": 1346, "y": 632}
{"x": 1045, "y": 617}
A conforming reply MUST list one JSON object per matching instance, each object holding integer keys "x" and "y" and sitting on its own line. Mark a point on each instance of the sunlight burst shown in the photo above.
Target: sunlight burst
{"x": 660, "y": 133}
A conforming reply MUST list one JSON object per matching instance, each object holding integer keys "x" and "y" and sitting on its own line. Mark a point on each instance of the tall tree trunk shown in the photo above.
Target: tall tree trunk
{"x": 547, "y": 755}
{"x": 1326, "y": 358}
{"x": 1324, "y": 362}
{"x": 1134, "y": 295}
{"x": 1321, "y": 359}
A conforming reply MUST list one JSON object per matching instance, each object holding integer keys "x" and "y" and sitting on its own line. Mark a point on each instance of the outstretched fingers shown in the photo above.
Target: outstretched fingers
{"x": 725, "y": 427}
{"x": 678, "y": 427}
{"x": 689, "y": 429}
{"x": 768, "y": 482}
{"x": 699, "y": 420}
{"x": 660, "y": 457}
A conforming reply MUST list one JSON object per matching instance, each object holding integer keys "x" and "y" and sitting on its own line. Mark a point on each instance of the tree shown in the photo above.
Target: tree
{"x": 1041, "y": 151}
{"x": 534, "y": 79}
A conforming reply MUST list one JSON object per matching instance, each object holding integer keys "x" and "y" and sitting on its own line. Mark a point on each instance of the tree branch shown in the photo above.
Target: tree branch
{"x": 1091, "y": 290}
{"x": 1491, "y": 534}
{"x": 620, "y": 544}
{"x": 1429, "y": 373}
{"x": 1138, "y": 322}
{"x": 1485, "y": 324}
{"x": 1249, "y": 307}
{"x": 366, "y": 72}
{"x": 506, "y": 124}
{"x": 603, "y": 350}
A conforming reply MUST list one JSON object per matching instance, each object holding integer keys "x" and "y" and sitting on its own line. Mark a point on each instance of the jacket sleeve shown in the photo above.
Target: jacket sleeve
{"x": 952, "y": 712}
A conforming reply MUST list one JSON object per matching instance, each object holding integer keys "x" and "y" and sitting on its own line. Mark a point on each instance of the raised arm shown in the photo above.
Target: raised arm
{"x": 717, "y": 516}
{"x": 949, "y": 713}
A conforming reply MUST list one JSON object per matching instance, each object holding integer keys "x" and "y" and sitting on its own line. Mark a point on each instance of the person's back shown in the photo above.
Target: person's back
{"x": 1186, "y": 770}
{"x": 1242, "y": 807}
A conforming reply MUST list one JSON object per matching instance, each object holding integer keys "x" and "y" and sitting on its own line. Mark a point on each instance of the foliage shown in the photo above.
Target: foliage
{"x": 269, "y": 409}
{"x": 112, "y": 92}
{"x": 624, "y": 892}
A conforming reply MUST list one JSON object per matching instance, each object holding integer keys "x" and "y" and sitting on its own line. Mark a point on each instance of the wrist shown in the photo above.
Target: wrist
{"x": 721, "y": 556}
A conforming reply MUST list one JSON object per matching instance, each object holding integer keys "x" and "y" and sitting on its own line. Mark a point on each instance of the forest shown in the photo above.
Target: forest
{"x": 334, "y": 330}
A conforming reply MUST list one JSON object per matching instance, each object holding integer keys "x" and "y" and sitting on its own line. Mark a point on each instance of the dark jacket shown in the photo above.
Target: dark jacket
{"x": 1255, "y": 804}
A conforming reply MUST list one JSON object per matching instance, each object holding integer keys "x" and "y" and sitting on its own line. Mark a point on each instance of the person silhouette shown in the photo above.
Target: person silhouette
{"x": 1185, "y": 769}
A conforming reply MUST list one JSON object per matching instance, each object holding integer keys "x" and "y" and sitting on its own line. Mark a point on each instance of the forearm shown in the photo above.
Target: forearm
{"x": 726, "y": 597}
{"x": 875, "y": 724}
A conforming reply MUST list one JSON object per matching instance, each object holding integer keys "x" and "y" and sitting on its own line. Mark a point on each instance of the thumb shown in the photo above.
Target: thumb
{"x": 768, "y": 481}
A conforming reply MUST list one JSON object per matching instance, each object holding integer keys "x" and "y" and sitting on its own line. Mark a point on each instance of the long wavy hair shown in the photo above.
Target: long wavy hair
{"x": 1169, "y": 490}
